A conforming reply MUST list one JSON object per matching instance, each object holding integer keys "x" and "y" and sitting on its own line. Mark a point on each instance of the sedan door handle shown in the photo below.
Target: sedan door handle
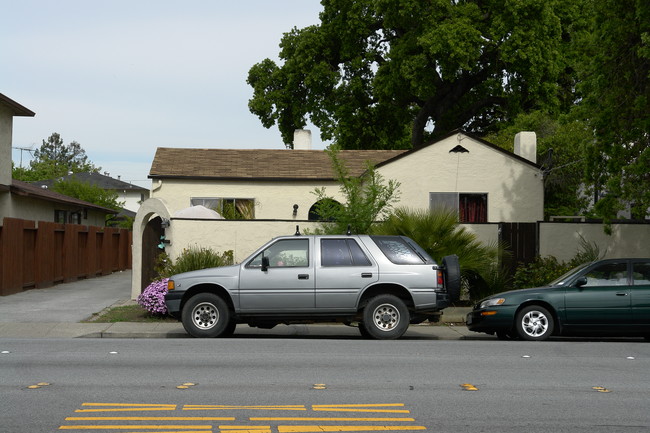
{"x": 366, "y": 275}
{"x": 621, "y": 294}
{"x": 303, "y": 276}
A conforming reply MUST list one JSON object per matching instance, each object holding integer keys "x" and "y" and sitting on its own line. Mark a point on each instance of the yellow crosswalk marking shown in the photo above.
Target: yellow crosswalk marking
{"x": 131, "y": 404}
{"x": 333, "y": 409}
{"x": 125, "y": 407}
{"x": 343, "y": 428}
{"x": 225, "y": 407}
{"x": 378, "y": 407}
{"x": 203, "y": 428}
{"x": 361, "y": 405}
{"x": 331, "y": 419}
{"x": 246, "y": 431}
{"x": 150, "y": 418}
{"x": 386, "y": 423}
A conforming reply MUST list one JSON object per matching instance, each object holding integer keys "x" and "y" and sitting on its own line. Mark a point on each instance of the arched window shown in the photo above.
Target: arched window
{"x": 323, "y": 207}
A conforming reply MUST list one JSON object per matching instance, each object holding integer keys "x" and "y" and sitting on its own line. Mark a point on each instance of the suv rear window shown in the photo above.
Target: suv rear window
{"x": 402, "y": 250}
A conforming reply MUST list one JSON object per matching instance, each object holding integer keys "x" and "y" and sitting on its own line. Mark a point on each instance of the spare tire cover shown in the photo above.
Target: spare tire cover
{"x": 452, "y": 276}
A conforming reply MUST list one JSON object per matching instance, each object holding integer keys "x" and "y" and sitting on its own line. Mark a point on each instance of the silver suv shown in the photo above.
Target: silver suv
{"x": 379, "y": 283}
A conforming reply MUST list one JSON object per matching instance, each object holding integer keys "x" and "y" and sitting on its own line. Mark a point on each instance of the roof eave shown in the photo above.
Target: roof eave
{"x": 16, "y": 189}
{"x": 242, "y": 178}
{"x": 15, "y": 107}
{"x": 468, "y": 134}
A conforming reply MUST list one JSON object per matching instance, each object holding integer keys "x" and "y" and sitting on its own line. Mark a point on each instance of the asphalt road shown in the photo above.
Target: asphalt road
{"x": 305, "y": 385}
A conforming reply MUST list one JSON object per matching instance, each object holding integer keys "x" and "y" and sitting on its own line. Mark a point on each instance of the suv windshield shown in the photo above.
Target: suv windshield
{"x": 402, "y": 250}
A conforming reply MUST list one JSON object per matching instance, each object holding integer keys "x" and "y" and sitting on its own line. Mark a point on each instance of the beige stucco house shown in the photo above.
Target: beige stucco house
{"x": 484, "y": 182}
{"x": 460, "y": 170}
{"x": 271, "y": 191}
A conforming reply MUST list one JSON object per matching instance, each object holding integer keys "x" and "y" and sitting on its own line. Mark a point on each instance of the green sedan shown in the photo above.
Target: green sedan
{"x": 603, "y": 298}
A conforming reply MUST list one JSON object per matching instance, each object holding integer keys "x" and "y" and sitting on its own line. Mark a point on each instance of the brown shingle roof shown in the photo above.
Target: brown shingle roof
{"x": 269, "y": 164}
{"x": 28, "y": 190}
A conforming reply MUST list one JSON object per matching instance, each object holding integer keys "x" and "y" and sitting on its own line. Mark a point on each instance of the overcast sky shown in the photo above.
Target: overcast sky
{"x": 125, "y": 77}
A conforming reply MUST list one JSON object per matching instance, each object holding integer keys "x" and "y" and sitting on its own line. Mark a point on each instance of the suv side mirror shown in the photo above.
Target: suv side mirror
{"x": 265, "y": 264}
{"x": 582, "y": 281}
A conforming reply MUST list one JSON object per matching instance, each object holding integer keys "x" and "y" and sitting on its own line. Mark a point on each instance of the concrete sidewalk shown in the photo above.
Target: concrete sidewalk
{"x": 55, "y": 312}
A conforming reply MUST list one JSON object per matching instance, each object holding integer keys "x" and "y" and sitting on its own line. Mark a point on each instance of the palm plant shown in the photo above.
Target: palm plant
{"x": 438, "y": 231}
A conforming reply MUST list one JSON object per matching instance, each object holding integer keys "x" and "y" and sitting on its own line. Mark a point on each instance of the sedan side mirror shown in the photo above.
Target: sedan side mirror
{"x": 582, "y": 281}
{"x": 265, "y": 264}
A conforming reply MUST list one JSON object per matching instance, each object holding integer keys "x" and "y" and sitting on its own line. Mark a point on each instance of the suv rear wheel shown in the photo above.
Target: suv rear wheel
{"x": 206, "y": 315}
{"x": 385, "y": 317}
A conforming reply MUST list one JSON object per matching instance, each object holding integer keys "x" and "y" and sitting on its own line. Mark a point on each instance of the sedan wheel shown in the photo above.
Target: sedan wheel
{"x": 534, "y": 323}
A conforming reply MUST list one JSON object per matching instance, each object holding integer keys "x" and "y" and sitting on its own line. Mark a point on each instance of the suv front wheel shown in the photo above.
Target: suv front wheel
{"x": 206, "y": 315}
{"x": 385, "y": 317}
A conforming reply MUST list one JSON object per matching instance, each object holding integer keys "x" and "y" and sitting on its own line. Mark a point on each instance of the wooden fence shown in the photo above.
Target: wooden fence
{"x": 38, "y": 255}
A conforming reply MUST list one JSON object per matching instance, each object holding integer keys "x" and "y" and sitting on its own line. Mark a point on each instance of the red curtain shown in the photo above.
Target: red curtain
{"x": 473, "y": 208}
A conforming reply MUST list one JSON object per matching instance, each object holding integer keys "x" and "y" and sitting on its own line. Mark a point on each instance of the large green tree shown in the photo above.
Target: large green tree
{"x": 55, "y": 159}
{"x": 615, "y": 82}
{"x": 396, "y": 73}
{"x": 85, "y": 191}
{"x": 561, "y": 147}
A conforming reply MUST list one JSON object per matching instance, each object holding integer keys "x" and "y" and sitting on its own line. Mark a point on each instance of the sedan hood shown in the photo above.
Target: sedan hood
{"x": 518, "y": 292}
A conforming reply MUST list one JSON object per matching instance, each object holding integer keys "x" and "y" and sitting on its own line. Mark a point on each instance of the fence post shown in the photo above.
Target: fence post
{"x": 44, "y": 255}
{"x": 12, "y": 254}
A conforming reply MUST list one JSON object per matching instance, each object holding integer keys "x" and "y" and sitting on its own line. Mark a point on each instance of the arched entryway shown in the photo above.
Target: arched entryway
{"x": 147, "y": 230}
{"x": 150, "y": 250}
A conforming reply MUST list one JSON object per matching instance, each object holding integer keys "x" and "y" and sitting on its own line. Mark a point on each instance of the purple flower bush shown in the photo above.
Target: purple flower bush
{"x": 152, "y": 298}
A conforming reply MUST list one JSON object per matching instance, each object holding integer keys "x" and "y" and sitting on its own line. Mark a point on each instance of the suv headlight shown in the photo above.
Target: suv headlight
{"x": 492, "y": 302}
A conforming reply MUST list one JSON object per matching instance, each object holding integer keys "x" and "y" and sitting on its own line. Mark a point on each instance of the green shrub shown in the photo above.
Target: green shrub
{"x": 543, "y": 270}
{"x": 193, "y": 259}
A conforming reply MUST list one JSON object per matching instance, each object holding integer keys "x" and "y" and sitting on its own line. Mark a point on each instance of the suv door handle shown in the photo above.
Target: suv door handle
{"x": 303, "y": 276}
{"x": 621, "y": 294}
{"x": 366, "y": 275}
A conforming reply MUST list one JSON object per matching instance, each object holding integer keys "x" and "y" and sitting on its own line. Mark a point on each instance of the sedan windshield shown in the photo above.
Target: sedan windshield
{"x": 561, "y": 281}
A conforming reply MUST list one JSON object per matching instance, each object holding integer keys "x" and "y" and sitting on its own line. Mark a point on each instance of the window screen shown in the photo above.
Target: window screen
{"x": 447, "y": 200}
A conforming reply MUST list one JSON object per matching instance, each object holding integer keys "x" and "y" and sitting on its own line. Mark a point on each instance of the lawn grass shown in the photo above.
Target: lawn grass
{"x": 127, "y": 313}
